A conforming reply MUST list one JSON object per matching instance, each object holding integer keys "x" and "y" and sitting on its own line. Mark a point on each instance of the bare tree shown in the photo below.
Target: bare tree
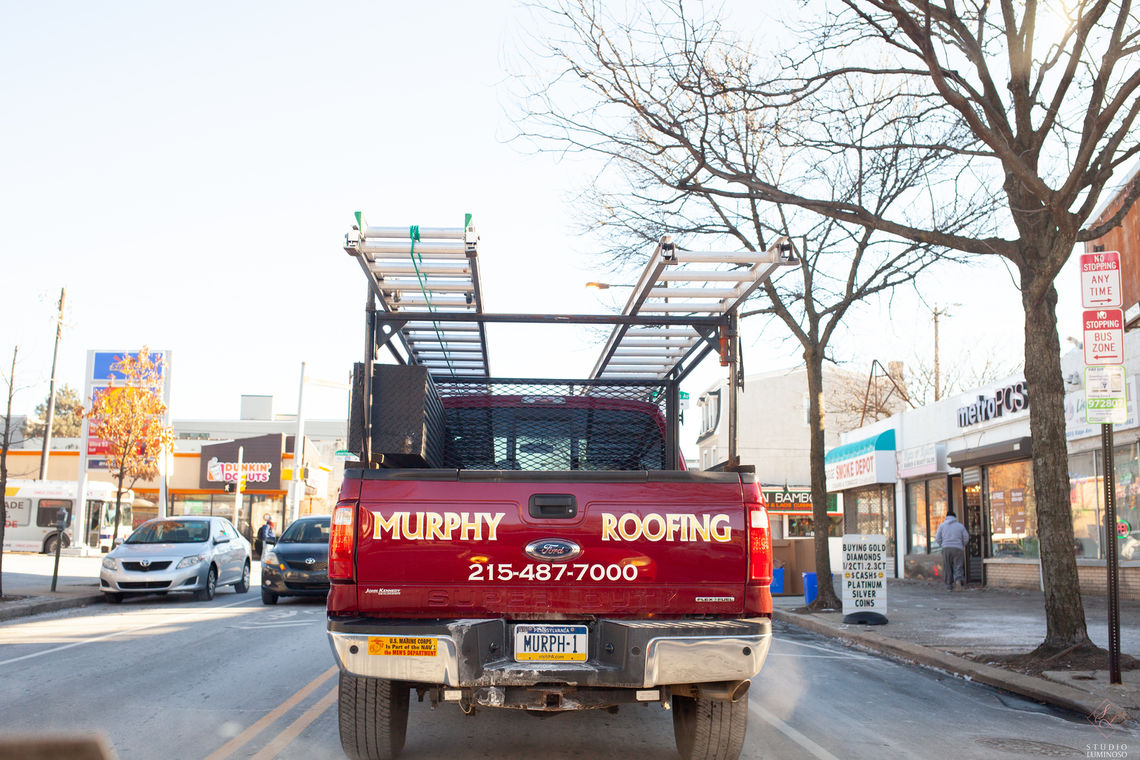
{"x": 1045, "y": 112}
{"x": 665, "y": 70}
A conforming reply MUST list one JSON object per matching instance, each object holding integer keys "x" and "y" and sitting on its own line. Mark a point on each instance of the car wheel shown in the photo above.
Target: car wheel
{"x": 268, "y": 597}
{"x": 373, "y": 716}
{"x": 112, "y": 597}
{"x": 709, "y": 729}
{"x": 207, "y": 593}
{"x": 242, "y": 586}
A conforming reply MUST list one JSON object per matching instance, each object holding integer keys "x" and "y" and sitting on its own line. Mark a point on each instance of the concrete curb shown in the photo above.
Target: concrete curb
{"x": 35, "y": 605}
{"x": 1038, "y": 689}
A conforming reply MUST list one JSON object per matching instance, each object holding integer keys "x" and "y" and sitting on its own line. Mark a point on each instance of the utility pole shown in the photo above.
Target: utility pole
{"x": 937, "y": 312}
{"x": 49, "y": 417}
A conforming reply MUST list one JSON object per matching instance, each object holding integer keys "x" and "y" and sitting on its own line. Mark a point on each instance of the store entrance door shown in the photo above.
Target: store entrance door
{"x": 972, "y": 517}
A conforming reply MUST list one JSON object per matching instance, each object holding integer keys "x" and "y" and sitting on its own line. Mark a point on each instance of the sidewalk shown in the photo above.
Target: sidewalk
{"x": 935, "y": 628}
{"x": 27, "y": 584}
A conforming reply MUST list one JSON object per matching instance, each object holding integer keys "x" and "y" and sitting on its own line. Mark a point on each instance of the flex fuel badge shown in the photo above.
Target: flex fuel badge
{"x": 402, "y": 646}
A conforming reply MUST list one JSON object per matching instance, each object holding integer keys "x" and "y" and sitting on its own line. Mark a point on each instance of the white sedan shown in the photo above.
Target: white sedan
{"x": 195, "y": 554}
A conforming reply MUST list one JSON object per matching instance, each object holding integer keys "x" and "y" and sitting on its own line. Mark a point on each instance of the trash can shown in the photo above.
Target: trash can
{"x": 777, "y": 581}
{"x": 811, "y": 588}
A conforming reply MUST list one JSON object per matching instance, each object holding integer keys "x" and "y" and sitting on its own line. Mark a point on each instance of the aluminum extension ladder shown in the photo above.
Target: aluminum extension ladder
{"x": 422, "y": 270}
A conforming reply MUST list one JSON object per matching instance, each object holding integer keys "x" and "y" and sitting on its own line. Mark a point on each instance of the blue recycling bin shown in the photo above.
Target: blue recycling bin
{"x": 777, "y": 586}
{"x": 811, "y": 588}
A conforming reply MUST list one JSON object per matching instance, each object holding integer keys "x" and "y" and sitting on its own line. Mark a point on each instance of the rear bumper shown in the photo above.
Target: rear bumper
{"x": 622, "y": 653}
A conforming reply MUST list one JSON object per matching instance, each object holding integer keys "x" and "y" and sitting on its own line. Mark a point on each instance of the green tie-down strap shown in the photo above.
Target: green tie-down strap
{"x": 414, "y": 235}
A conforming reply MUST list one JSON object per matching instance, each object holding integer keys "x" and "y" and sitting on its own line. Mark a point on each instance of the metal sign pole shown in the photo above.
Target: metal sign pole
{"x": 1110, "y": 555}
{"x": 733, "y": 455}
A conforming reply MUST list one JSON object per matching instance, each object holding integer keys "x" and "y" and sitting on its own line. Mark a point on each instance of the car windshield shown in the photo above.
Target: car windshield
{"x": 171, "y": 532}
{"x": 306, "y": 532}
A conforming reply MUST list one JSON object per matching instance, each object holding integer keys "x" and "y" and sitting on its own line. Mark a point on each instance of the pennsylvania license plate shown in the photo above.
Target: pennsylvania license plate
{"x": 550, "y": 643}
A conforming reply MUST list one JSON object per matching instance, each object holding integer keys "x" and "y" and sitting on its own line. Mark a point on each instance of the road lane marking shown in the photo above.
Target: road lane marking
{"x": 294, "y": 729}
{"x": 105, "y": 636}
{"x": 243, "y": 738}
{"x": 813, "y": 748}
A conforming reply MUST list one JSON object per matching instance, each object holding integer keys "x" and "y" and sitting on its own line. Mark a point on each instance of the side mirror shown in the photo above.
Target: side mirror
{"x": 271, "y": 542}
{"x": 221, "y": 540}
{"x": 118, "y": 541}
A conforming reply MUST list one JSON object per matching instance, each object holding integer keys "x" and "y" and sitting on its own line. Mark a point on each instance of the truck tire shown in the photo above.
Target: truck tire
{"x": 373, "y": 715}
{"x": 709, "y": 729}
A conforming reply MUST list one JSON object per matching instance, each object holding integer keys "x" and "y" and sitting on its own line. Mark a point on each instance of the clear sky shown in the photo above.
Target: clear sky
{"x": 188, "y": 172}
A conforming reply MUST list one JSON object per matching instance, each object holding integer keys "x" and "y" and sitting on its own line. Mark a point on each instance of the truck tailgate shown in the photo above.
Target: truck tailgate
{"x": 439, "y": 543}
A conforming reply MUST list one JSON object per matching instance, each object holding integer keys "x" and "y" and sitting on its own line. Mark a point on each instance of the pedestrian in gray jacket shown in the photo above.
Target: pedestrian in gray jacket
{"x": 952, "y": 537}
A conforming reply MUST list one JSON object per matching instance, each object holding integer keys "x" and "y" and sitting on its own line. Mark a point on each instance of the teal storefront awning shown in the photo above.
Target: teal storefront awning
{"x": 871, "y": 460}
{"x": 884, "y": 441}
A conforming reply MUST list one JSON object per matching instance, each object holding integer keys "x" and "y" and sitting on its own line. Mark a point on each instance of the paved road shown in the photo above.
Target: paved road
{"x": 169, "y": 677}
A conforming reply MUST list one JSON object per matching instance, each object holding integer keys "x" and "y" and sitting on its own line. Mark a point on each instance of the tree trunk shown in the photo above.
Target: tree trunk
{"x": 118, "y": 502}
{"x": 1064, "y": 611}
{"x": 827, "y": 600}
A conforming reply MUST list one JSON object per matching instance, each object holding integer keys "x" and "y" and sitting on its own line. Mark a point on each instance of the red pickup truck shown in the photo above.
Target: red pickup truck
{"x": 551, "y": 563}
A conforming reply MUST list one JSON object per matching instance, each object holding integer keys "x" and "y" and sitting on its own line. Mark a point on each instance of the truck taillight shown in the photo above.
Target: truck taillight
{"x": 340, "y": 544}
{"x": 759, "y": 545}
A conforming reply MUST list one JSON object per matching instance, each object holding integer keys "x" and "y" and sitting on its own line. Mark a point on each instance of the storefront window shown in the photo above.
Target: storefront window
{"x": 1013, "y": 511}
{"x": 926, "y": 508}
{"x": 874, "y": 512}
{"x": 1085, "y": 488}
{"x": 936, "y": 503}
{"x": 916, "y": 517}
{"x": 801, "y": 527}
{"x": 1127, "y": 528}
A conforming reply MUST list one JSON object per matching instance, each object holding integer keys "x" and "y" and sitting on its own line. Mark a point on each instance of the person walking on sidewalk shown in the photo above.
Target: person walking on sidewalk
{"x": 952, "y": 537}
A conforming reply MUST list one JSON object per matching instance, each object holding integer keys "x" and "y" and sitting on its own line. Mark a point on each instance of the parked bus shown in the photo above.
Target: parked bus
{"x": 33, "y": 515}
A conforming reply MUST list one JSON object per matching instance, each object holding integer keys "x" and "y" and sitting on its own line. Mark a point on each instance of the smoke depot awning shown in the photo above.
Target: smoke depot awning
{"x": 862, "y": 463}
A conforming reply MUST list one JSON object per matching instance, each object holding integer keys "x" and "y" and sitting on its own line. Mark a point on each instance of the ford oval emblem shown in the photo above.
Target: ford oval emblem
{"x": 553, "y": 550}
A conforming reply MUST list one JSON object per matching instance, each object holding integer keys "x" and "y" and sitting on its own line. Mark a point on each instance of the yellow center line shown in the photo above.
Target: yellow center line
{"x": 241, "y": 739}
{"x": 282, "y": 740}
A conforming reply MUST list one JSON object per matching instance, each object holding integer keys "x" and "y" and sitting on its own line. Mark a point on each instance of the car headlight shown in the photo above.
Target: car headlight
{"x": 110, "y": 563}
{"x": 270, "y": 558}
{"x": 190, "y": 561}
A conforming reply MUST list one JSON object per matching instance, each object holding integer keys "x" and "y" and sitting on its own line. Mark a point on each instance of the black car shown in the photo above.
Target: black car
{"x": 298, "y": 565}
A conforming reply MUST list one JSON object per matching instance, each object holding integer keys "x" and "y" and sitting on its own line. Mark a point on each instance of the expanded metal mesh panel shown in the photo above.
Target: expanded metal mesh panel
{"x": 542, "y": 426}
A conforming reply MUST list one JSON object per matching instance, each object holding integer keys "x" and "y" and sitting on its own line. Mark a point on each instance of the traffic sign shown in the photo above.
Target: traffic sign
{"x": 1105, "y": 399}
{"x": 1100, "y": 279}
{"x": 1104, "y": 336}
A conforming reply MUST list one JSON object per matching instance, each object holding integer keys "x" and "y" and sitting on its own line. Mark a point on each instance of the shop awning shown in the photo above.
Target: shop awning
{"x": 1016, "y": 448}
{"x": 864, "y": 462}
